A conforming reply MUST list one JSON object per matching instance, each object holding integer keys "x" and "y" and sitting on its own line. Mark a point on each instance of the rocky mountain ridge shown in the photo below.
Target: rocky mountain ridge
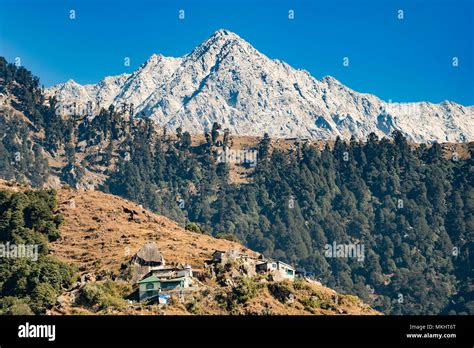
{"x": 226, "y": 80}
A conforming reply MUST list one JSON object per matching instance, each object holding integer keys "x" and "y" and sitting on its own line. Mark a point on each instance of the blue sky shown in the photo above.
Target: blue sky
{"x": 398, "y": 60}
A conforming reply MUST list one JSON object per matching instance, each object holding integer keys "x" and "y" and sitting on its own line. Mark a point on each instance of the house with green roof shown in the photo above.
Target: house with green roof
{"x": 152, "y": 286}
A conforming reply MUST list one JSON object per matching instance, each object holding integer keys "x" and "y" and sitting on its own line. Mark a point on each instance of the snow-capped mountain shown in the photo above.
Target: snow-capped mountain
{"x": 227, "y": 80}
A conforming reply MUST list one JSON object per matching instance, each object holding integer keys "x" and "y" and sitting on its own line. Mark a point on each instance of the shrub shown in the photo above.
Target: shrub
{"x": 43, "y": 296}
{"x": 21, "y": 309}
{"x": 193, "y": 307}
{"x": 281, "y": 291}
{"x": 245, "y": 290}
{"x": 11, "y": 305}
{"x": 193, "y": 227}
{"x": 229, "y": 237}
{"x": 103, "y": 295}
{"x": 315, "y": 301}
{"x": 300, "y": 284}
{"x": 310, "y": 303}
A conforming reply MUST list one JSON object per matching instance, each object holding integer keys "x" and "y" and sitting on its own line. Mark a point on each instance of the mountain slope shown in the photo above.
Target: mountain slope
{"x": 226, "y": 80}
{"x": 99, "y": 238}
{"x": 98, "y": 235}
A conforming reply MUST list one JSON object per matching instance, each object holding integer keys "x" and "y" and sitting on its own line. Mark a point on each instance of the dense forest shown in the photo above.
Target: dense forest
{"x": 30, "y": 281}
{"x": 408, "y": 206}
{"x": 25, "y": 141}
{"x": 411, "y": 209}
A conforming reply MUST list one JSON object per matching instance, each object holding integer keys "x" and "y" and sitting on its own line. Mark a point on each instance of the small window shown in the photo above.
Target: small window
{"x": 149, "y": 286}
{"x": 274, "y": 265}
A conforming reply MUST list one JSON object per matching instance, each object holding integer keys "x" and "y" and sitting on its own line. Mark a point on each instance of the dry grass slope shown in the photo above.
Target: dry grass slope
{"x": 99, "y": 235}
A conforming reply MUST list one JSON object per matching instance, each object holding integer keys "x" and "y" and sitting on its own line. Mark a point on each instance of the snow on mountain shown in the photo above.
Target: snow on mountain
{"x": 227, "y": 80}
{"x": 73, "y": 96}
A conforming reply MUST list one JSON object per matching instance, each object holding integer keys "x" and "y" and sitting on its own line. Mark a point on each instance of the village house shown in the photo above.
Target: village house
{"x": 172, "y": 272}
{"x": 220, "y": 256}
{"x": 154, "y": 277}
{"x": 153, "y": 285}
{"x": 280, "y": 269}
{"x": 163, "y": 280}
{"x": 302, "y": 273}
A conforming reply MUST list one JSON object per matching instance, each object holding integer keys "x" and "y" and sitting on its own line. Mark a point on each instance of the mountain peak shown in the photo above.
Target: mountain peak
{"x": 225, "y": 33}
{"x": 224, "y": 43}
{"x": 158, "y": 63}
{"x": 71, "y": 82}
{"x": 222, "y": 37}
{"x": 226, "y": 79}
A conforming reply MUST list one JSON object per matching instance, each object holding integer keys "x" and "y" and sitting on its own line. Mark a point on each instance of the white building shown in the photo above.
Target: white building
{"x": 281, "y": 269}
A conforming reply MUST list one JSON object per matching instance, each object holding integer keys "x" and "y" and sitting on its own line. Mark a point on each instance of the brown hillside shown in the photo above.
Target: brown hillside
{"x": 99, "y": 235}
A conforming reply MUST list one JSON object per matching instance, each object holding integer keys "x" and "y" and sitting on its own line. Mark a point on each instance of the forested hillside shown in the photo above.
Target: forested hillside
{"x": 30, "y": 129}
{"x": 409, "y": 206}
{"x": 30, "y": 283}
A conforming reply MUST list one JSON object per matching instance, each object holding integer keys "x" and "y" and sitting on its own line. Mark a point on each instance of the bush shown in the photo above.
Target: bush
{"x": 310, "y": 303}
{"x": 126, "y": 271}
{"x": 300, "y": 284}
{"x": 193, "y": 227}
{"x": 193, "y": 307}
{"x": 11, "y": 305}
{"x": 281, "y": 291}
{"x": 314, "y": 302}
{"x": 21, "y": 309}
{"x": 44, "y": 296}
{"x": 103, "y": 295}
{"x": 245, "y": 290}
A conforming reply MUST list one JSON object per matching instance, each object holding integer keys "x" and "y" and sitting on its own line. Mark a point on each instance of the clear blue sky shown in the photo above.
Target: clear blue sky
{"x": 401, "y": 60}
